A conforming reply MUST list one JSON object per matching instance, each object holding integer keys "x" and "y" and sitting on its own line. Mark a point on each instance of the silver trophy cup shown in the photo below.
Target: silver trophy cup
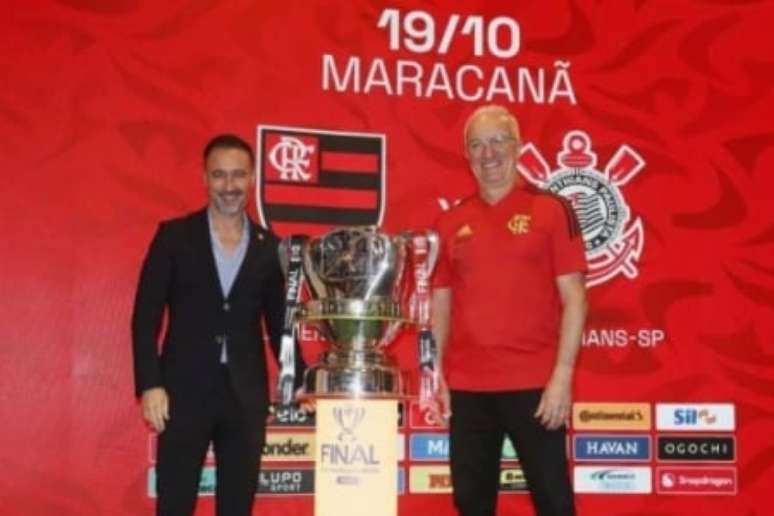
{"x": 361, "y": 284}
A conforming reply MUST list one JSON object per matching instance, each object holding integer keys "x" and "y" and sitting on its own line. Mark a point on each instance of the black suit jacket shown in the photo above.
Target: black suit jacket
{"x": 179, "y": 275}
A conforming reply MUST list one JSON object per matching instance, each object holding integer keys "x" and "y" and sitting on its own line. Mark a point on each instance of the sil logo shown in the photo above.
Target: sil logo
{"x": 613, "y": 238}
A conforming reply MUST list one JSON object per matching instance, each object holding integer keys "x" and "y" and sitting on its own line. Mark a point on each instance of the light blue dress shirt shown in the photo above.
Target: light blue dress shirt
{"x": 228, "y": 266}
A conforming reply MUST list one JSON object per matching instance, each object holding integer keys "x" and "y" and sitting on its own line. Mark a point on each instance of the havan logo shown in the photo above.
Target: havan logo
{"x": 623, "y": 448}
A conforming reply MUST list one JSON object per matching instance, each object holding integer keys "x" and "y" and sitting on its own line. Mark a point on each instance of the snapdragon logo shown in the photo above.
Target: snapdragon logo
{"x": 696, "y": 480}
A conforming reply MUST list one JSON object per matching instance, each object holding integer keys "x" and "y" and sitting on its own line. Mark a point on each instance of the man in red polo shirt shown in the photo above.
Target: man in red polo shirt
{"x": 509, "y": 305}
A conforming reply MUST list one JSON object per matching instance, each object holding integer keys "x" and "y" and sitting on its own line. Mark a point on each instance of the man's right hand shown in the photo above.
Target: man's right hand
{"x": 155, "y": 408}
{"x": 440, "y": 405}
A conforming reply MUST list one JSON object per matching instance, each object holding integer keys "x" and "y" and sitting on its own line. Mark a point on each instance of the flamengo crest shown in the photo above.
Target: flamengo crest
{"x": 613, "y": 240}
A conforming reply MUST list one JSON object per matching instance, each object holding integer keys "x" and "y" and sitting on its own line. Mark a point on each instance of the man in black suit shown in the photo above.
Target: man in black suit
{"x": 217, "y": 275}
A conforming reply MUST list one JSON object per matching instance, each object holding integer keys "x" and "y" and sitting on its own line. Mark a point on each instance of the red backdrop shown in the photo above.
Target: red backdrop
{"x": 104, "y": 107}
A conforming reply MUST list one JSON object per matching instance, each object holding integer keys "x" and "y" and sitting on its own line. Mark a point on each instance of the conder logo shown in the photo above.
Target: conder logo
{"x": 288, "y": 447}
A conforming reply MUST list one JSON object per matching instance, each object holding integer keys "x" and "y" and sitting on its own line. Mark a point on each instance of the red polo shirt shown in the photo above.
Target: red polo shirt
{"x": 501, "y": 263}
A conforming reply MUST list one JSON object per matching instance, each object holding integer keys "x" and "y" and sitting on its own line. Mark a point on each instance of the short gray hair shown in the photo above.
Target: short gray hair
{"x": 495, "y": 110}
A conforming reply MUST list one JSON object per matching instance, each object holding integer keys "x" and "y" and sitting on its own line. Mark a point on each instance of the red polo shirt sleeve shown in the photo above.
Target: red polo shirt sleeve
{"x": 569, "y": 252}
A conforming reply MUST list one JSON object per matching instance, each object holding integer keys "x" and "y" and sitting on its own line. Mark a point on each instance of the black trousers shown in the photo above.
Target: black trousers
{"x": 479, "y": 423}
{"x": 237, "y": 435}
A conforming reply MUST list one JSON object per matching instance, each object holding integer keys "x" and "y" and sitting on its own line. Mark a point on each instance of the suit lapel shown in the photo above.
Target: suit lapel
{"x": 203, "y": 243}
{"x": 250, "y": 255}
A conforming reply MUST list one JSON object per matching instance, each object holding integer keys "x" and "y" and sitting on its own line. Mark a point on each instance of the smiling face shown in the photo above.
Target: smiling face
{"x": 228, "y": 175}
{"x": 492, "y": 148}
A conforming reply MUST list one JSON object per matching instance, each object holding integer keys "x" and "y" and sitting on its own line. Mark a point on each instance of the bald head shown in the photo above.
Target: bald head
{"x": 492, "y": 148}
{"x": 495, "y": 112}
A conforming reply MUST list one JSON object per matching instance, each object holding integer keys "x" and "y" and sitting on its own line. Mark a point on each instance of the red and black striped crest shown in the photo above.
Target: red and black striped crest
{"x": 310, "y": 180}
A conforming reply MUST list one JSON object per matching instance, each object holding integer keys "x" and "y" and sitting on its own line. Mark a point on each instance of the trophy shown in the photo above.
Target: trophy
{"x": 364, "y": 286}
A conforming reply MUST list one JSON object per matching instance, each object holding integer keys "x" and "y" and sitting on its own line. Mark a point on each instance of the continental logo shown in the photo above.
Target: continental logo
{"x": 288, "y": 447}
{"x": 430, "y": 479}
{"x": 611, "y": 416}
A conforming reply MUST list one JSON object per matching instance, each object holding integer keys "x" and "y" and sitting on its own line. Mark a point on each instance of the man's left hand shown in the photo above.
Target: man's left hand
{"x": 554, "y": 407}
{"x": 307, "y": 404}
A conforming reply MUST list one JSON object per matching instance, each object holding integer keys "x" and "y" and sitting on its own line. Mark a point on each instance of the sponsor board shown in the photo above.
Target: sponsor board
{"x": 621, "y": 448}
{"x": 285, "y": 481}
{"x": 430, "y": 479}
{"x": 271, "y": 482}
{"x": 696, "y": 480}
{"x": 401, "y": 447}
{"x": 289, "y": 417}
{"x": 691, "y": 417}
{"x": 612, "y": 479}
{"x": 429, "y": 447}
{"x": 422, "y": 419}
{"x": 707, "y": 448}
{"x": 611, "y": 416}
{"x": 434, "y": 447}
{"x": 512, "y": 480}
{"x": 288, "y": 447}
{"x": 437, "y": 479}
{"x": 206, "y": 482}
{"x": 509, "y": 451}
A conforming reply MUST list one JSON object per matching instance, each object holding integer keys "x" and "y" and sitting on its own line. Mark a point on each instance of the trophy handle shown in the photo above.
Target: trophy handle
{"x": 425, "y": 246}
{"x": 291, "y": 253}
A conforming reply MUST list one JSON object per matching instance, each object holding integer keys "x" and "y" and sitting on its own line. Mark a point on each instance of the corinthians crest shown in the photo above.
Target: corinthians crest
{"x": 613, "y": 239}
